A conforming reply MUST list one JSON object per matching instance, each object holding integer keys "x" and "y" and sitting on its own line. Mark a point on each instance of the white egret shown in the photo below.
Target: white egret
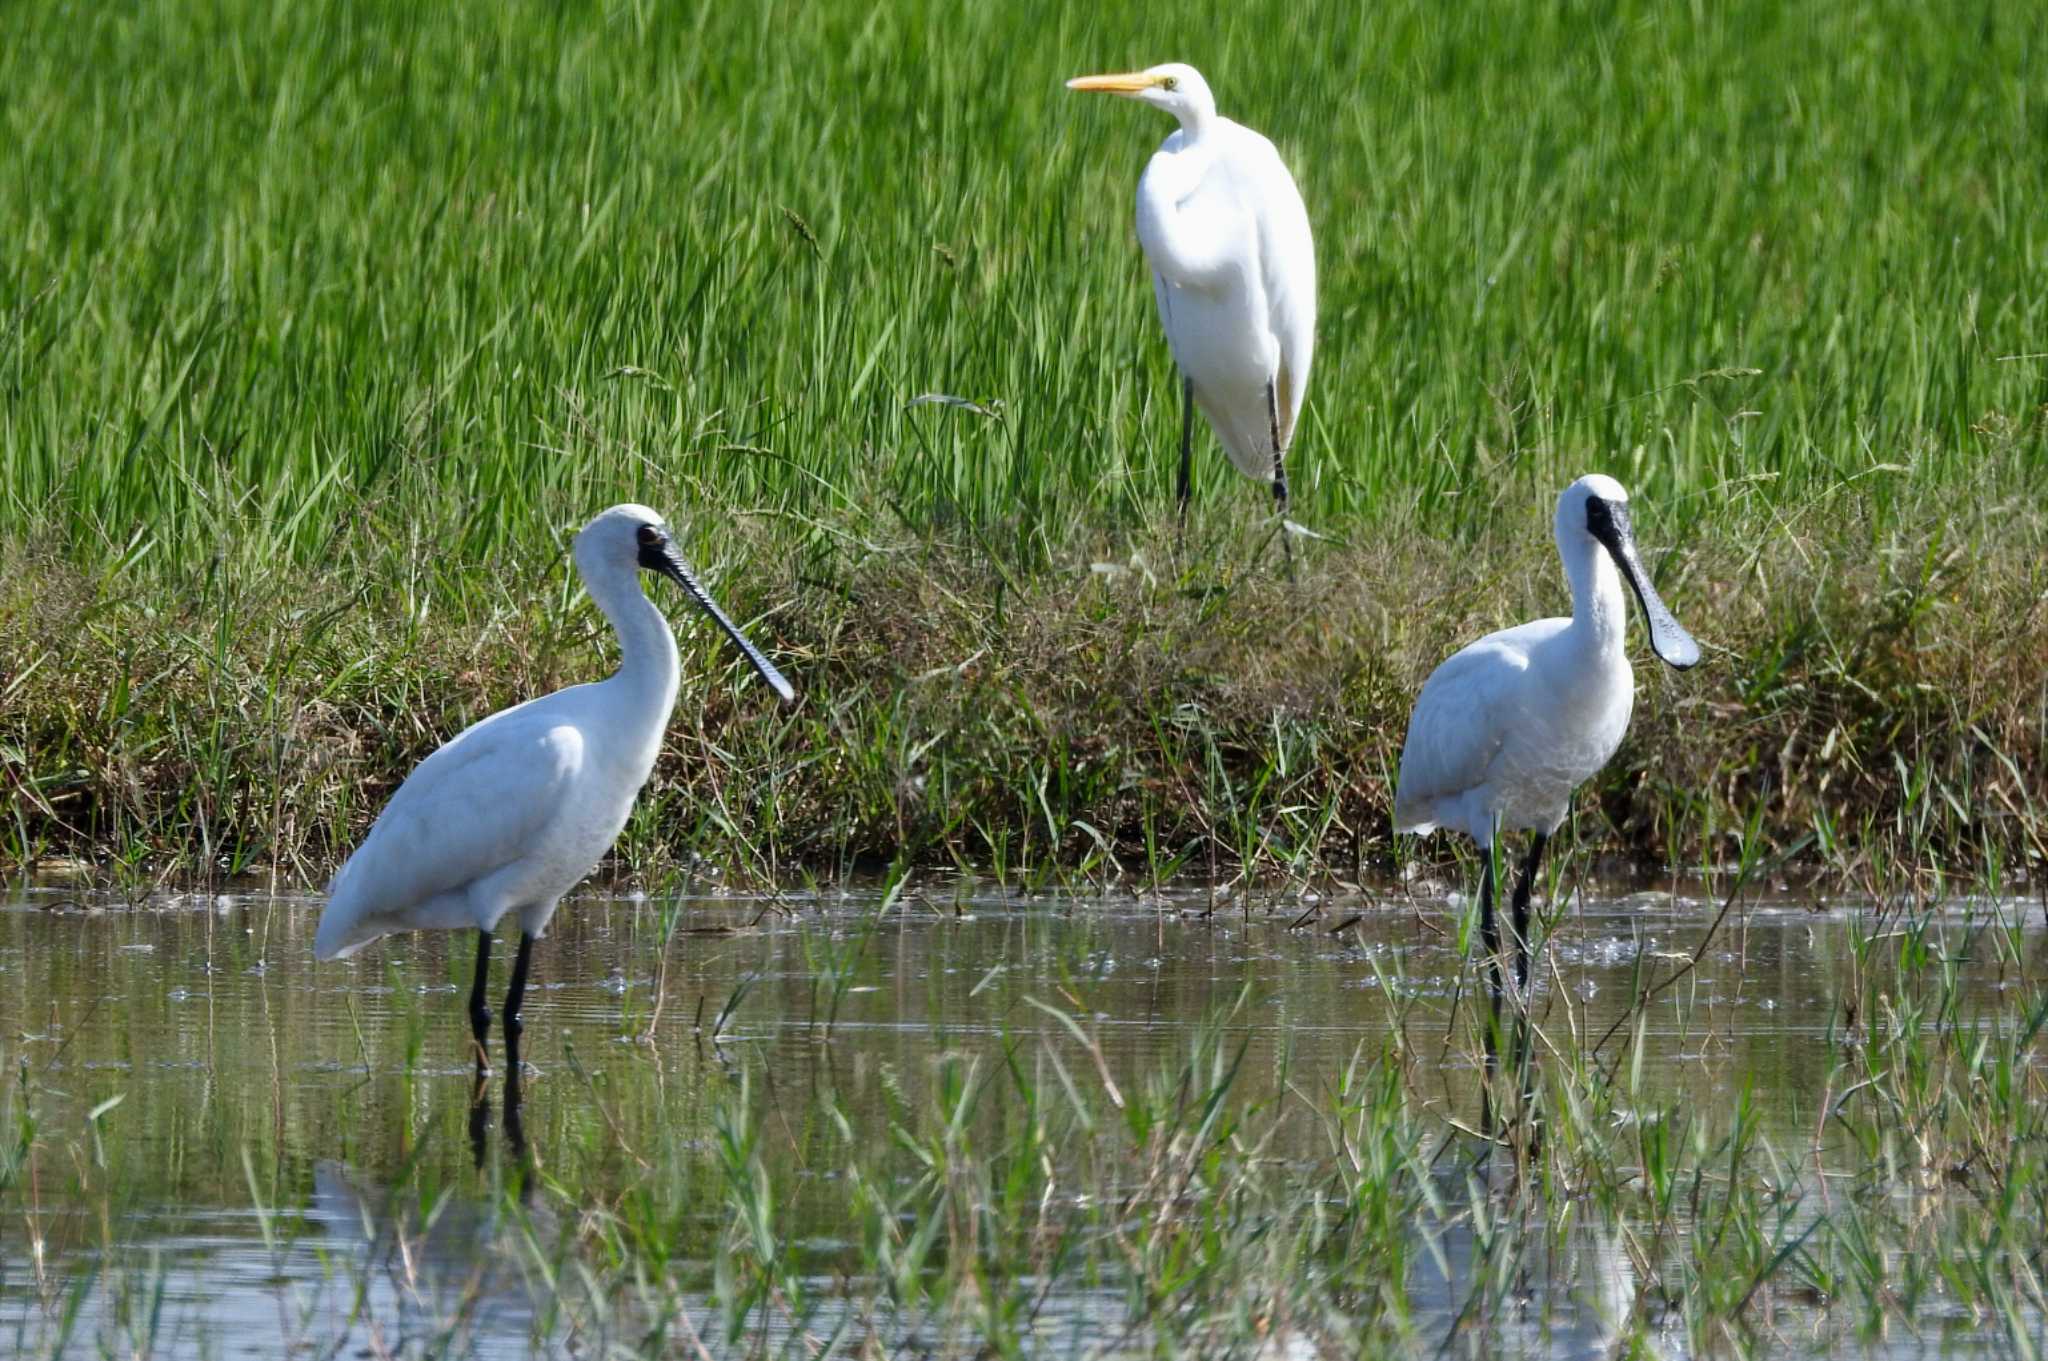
{"x": 510, "y": 813}
{"x": 1233, "y": 271}
{"x": 1509, "y": 726}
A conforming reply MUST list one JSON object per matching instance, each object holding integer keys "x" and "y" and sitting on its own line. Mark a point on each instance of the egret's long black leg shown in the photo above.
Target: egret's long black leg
{"x": 1279, "y": 476}
{"x": 479, "y": 1012}
{"x": 1489, "y": 941}
{"x": 514, "y": 996}
{"x": 1523, "y": 889}
{"x": 1187, "y": 450}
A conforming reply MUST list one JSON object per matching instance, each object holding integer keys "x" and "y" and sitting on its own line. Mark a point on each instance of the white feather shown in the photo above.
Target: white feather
{"x": 1507, "y": 727}
{"x": 1233, "y": 264}
{"x": 510, "y": 813}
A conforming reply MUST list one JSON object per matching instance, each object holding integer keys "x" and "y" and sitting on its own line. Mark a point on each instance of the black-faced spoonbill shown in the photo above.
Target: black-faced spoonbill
{"x": 1509, "y": 726}
{"x": 1233, "y": 272}
{"x": 511, "y": 812}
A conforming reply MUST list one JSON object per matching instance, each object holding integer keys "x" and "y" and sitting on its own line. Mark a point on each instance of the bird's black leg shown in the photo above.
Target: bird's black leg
{"x": 479, "y": 1012}
{"x": 1489, "y": 941}
{"x": 1187, "y": 451}
{"x": 1279, "y": 476}
{"x": 514, "y": 996}
{"x": 1523, "y": 889}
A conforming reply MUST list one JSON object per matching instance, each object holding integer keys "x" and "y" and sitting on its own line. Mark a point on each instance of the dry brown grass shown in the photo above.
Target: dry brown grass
{"x": 1865, "y": 686}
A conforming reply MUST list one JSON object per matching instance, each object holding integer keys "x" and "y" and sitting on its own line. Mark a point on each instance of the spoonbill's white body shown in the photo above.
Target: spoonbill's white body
{"x": 1507, "y": 727}
{"x": 514, "y": 810}
{"x": 1233, "y": 271}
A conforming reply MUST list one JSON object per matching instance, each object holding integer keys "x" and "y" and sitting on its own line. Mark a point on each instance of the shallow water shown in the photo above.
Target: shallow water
{"x": 255, "y": 1112}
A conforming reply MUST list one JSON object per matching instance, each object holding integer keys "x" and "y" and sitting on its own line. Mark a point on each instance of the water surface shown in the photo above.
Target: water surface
{"x": 233, "y": 1146}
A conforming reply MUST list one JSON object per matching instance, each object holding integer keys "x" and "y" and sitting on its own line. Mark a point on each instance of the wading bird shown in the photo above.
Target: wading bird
{"x": 510, "y": 813}
{"x": 1233, "y": 272}
{"x": 1508, "y": 726}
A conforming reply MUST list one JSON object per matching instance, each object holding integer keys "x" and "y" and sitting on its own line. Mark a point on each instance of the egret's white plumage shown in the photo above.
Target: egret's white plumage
{"x": 510, "y": 813}
{"x": 1507, "y": 727}
{"x": 1233, "y": 267}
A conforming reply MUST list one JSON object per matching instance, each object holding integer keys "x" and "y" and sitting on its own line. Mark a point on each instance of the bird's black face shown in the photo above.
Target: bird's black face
{"x": 1608, "y": 523}
{"x": 657, "y": 551}
{"x": 658, "y": 554}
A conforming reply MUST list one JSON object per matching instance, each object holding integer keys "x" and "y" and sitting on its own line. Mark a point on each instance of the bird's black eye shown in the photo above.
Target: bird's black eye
{"x": 654, "y": 550}
{"x": 1170, "y": 83}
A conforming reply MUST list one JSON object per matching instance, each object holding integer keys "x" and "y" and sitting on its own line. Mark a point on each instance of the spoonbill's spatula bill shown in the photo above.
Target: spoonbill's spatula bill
{"x": 1509, "y": 726}
{"x": 510, "y": 813}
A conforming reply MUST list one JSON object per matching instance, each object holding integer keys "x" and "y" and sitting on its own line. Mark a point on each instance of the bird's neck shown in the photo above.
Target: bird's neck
{"x": 649, "y": 667}
{"x": 1196, "y": 124}
{"x": 1599, "y": 606}
{"x": 1196, "y": 247}
{"x": 1171, "y": 178}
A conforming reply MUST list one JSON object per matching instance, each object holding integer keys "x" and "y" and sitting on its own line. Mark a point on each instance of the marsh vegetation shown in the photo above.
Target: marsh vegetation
{"x": 893, "y": 1027}
{"x": 322, "y": 328}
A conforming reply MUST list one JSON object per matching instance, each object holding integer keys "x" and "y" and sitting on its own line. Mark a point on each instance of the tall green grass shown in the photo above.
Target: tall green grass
{"x": 279, "y": 272}
{"x": 322, "y": 326}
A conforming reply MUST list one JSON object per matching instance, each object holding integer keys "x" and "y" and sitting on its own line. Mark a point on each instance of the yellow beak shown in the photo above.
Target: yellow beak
{"x": 1128, "y": 84}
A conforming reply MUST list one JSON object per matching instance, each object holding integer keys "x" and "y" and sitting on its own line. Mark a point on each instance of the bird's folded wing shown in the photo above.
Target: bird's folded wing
{"x": 1287, "y": 255}
{"x": 1460, "y": 721}
{"x": 470, "y": 809}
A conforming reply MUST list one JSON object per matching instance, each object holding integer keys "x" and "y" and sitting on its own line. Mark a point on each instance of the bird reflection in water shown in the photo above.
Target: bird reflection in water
{"x": 429, "y": 1270}
{"x": 515, "y": 1123}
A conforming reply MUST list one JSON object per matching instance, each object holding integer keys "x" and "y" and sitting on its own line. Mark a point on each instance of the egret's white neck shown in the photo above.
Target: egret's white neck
{"x": 1599, "y": 604}
{"x": 648, "y": 665}
{"x": 1189, "y": 248}
{"x": 1196, "y": 120}
{"x": 1171, "y": 179}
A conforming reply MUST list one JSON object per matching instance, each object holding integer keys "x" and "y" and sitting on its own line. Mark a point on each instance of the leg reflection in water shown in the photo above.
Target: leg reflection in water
{"x": 417, "y": 1263}
{"x": 515, "y": 1122}
{"x": 515, "y": 1127}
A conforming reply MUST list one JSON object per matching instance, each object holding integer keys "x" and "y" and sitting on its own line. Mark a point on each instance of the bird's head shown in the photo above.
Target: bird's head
{"x": 631, "y": 538}
{"x": 1175, "y": 87}
{"x": 1594, "y": 511}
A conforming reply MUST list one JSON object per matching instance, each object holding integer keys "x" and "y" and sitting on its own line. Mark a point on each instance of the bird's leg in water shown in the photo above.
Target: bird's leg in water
{"x": 1279, "y": 476}
{"x": 514, "y": 996}
{"x": 1521, "y": 924}
{"x": 1522, "y": 892}
{"x": 1489, "y": 941}
{"x": 479, "y": 1012}
{"x": 1187, "y": 451}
